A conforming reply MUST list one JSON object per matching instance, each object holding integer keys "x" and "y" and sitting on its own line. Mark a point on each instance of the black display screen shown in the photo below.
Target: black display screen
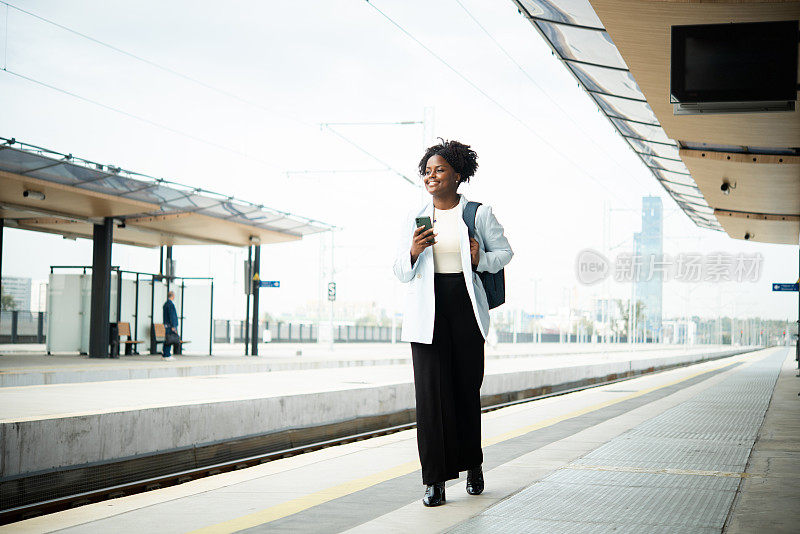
{"x": 734, "y": 62}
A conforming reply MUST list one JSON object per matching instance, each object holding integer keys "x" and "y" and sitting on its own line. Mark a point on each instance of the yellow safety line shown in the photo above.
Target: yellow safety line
{"x": 313, "y": 499}
{"x": 307, "y": 501}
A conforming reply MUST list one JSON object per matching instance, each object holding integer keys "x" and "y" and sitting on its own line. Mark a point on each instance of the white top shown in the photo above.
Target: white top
{"x": 447, "y": 250}
{"x": 418, "y": 277}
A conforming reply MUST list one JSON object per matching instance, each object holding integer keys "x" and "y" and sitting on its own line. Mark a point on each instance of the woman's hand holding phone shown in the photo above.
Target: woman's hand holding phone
{"x": 422, "y": 239}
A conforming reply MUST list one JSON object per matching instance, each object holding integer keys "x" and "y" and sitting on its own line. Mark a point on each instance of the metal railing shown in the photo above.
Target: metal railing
{"x": 21, "y": 326}
{"x": 232, "y": 331}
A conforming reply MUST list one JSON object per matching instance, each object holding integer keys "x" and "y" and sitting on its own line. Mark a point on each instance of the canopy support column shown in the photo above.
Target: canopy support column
{"x": 256, "y": 284}
{"x": 168, "y": 268}
{"x": 2, "y": 229}
{"x": 248, "y": 284}
{"x": 101, "y": 289}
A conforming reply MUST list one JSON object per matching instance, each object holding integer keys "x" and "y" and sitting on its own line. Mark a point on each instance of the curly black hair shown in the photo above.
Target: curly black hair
{"x": 461, "y": 157}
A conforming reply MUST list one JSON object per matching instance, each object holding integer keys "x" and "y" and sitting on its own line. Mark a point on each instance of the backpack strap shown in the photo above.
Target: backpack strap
{"x": 470, "y": 212}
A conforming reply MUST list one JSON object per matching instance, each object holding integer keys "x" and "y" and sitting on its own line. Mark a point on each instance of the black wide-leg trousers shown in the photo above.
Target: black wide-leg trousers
{"x": 447, "y": 378}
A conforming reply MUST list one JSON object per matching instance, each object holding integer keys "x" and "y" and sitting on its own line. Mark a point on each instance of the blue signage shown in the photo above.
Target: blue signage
{"x": 269, "y": 283}
{"x": 784, "y": 287}
{"x": 529, "y": 316}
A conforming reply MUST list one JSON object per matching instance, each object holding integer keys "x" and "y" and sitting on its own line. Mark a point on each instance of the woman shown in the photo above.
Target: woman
{"x": 446, "y": 318}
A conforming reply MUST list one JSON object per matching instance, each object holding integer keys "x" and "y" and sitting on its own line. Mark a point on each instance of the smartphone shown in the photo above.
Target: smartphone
{"x": 426, "y": 222}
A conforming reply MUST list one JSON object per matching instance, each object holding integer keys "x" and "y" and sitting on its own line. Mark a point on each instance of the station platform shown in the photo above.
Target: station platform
{"x": 48, "y": 428}
{"x": 29, "y": 365}
{"x": 708, "y": 447}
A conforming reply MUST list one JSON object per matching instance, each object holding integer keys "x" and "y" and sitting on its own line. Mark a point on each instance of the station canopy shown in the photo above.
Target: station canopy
{"x": 46, "y": 191}
{"x": 690, "y": 156}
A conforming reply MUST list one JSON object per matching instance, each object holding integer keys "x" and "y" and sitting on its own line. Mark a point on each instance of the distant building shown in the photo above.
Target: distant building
{"x": 20, "y": 291}
{"x": 649, "y": 249}
{"x": 605, "y": 314}
{"x": 39, "y": 296}
{"x": 605, "y": 310}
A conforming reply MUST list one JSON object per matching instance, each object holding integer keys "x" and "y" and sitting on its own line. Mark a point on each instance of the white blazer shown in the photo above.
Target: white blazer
{"x": 419, "y": 309}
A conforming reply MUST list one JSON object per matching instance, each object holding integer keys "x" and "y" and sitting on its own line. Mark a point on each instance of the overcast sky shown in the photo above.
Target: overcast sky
{"x": 546, "y": 169}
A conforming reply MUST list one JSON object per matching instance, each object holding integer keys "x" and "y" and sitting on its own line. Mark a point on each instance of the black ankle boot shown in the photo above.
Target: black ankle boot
{"x": 434, "y": 494}
{"x": 475, "y": 481}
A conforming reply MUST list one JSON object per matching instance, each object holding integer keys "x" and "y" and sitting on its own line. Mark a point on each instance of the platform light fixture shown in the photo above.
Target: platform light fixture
{"x": 726, "y": 187}
{"x": 38, "y": 195}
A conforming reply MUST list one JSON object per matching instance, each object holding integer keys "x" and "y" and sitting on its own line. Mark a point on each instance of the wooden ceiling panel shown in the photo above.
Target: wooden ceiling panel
{"x": 127, "y": 236}
{"x": 764, "y": 231}
{"x": 771, "y": 184}
{"x": 211, "y": 229}
{"x": 67, "y": 200}
{"x": 69, "y": 211}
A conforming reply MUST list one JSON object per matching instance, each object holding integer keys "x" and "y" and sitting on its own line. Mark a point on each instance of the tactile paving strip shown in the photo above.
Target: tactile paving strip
{"x": 655, "y": 480}
{"x": 670, "y": 453}
{"x": 712, "y": 432}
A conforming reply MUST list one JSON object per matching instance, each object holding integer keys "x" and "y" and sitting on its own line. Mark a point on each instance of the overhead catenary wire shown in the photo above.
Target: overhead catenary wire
{"x": 534, "y": 82}
{"x": 185, "y": 77}
{"x": 272, "y": 110}
{"x": 158, "y": 66}
{"x": 494, "y": 101}
{"x": 371, "y": 155}
{"x": 137, "y": 117}
{"x": 394, "y": 123}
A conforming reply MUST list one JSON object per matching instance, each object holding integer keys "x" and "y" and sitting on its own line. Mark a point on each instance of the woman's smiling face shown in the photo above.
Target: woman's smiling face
{"x": 440, "y": 178}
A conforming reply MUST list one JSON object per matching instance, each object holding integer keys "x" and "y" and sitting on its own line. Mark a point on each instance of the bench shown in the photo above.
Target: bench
{"x": 124, "y": 329}
{"x": 115, "y": 333}
{"x": 157, "y": 334}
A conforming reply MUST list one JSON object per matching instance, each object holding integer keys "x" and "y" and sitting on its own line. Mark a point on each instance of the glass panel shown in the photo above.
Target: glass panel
{"x": 157, "y": 194}
{"x": 698, "y": 212}
{"x": 218, "y": 210}
{"x": 687, "y": 205}
{"x": 569, "y": 11}
{"x": 65, "y": 173}
{"x": 612, "y": 81}
{"x": 642, "y": 131}
{"x": 283, "y": 224}
{"x": 583, "y": 45}
{"x": 112, "y": 185}
{"x": 683, "y": 190}
{"x": 627, "y": 109}
{"x": 200, "y": 202}
{"x": 700, "y": 219}
{"x": 654, "y": 149}
{"x": 705, "y": 213}
{"x": 183, "y": 203}
{"x": 17, "y": 161}
{"x": 307, "y": 229}
{"x": 232, "y": 210}
{"x": 262, "y": 218}
{"x": 672, "y": 177}
{"x": 706, "y": 210}
{"x": 677, "y": 178}
{"x": 665, "y": 164}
